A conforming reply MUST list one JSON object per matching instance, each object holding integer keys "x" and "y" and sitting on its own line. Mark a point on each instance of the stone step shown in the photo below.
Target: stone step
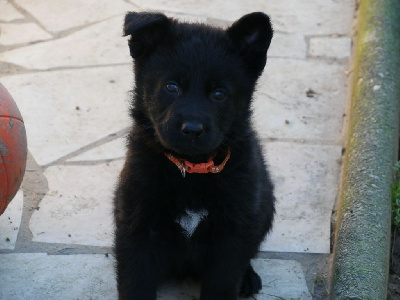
{"x": 38, "y": 276}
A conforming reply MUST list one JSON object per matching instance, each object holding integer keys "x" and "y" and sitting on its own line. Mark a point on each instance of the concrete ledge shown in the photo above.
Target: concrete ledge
{"x": 361, "y": 257}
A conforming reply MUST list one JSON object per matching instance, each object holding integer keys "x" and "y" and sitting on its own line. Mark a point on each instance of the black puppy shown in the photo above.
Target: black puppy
{"x": 194, "y": 197}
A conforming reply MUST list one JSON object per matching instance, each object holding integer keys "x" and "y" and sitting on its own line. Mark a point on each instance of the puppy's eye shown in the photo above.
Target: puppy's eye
{"x": 218, "y": 95}
{"x": 172, "y": 87}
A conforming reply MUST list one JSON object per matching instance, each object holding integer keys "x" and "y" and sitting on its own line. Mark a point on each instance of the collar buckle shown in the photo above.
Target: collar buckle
{"x": 198, "y": 168}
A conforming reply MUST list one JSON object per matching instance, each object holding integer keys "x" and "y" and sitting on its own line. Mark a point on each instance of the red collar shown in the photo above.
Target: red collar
{"x": 187, "y": 167}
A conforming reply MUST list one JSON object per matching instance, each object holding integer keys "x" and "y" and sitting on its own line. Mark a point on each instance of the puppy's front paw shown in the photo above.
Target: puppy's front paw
{"x": 251, "y": 283}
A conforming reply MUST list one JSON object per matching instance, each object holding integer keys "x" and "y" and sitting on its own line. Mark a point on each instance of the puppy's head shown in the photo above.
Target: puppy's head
{"x": 194, "y": 83}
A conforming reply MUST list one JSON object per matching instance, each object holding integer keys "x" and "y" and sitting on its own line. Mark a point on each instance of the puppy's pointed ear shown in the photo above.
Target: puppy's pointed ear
{"x": 251, "y": 35}
{"x": 146, "y": 31}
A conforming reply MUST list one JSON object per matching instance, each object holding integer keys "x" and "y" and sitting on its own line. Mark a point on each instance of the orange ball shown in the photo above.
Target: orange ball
{"x": 13, "y": 148}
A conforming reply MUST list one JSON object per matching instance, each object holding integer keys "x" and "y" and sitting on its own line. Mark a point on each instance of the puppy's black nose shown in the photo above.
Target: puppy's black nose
{"x": 192, "y": 129}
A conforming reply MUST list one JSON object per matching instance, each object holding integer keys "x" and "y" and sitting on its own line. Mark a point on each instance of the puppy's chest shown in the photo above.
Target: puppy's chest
{"x": 194, "y": 206}
{"x": 190, "y": 220}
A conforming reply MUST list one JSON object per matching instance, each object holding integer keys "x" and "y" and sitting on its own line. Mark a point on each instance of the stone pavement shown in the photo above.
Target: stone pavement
{"x": 69, "y": 71}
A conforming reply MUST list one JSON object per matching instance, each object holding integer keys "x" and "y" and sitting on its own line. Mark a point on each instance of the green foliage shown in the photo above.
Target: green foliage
{"x": 396, "y": 196}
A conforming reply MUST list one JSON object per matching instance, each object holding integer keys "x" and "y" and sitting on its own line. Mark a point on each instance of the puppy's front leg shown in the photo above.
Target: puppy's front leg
{"x": 137, "y": 268}
{"x": 224, "y": 271}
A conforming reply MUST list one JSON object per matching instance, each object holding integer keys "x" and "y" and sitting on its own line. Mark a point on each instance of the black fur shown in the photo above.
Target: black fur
{"x": 193, "y": 91}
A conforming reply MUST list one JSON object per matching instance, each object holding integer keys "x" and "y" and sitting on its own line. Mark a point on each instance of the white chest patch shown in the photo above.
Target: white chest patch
{"x": 190, "y": 220}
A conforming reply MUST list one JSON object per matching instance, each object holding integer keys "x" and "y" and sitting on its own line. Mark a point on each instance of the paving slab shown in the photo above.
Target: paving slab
{"x": 289, "y": 105}
{"x": 281, "y": 278}
{"x": 307, "y": 17}
{"x": 8, "y": 12}
{"x": 79, "y": 49}
{"x": 306, "y": 179}
{"x": 13, "y": 34}
{"x": 10, "y": 222}
{"x": 40, "y": 276}
{"x": 66, "y": 110}
{"x": 78, "y": 206}
{"x": 335, "y": 47}
{"x": 311, "y": 17}
{"x": 58, "y": 15}
{"x": 288, "y": 45}
{"x": 111, "y": 150}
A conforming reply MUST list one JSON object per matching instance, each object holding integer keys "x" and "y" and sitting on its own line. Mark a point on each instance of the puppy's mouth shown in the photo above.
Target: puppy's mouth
{"x": 190, "y": 149}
